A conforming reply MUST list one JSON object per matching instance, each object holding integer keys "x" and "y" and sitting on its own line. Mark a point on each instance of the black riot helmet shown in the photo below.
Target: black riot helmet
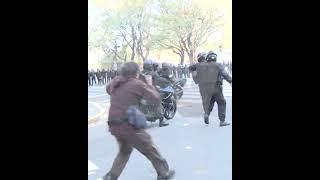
{"x": 165, "y": 65}
{"x": 148, "y": 65}
{"x": 211, "y": 56}
{"x": 155, "y": 66}
{"x": 201, "y": 57}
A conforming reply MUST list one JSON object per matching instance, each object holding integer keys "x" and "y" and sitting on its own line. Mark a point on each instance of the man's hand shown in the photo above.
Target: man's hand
{"x": 148, "y": 79}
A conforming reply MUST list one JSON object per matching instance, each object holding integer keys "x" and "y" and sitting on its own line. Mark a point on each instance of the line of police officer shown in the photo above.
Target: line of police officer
{"x": 209, "y": 75}
{"x": 180, "y": 71}
{"x": 100, "y": 77}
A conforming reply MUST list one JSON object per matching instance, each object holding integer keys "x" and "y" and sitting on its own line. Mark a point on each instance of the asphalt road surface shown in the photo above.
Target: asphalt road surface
{"x": 195, "y": 150}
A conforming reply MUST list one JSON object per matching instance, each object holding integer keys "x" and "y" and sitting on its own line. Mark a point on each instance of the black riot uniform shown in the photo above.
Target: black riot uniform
{"x": 165, "y": 71}
{"x": 201, "y": 57}
{"x": 218, "y": 97}
{"x": 174, "y": 71}
{"x": 108, "y": 76}
{"x": 93, "y": 77}
{"x": 149, "y": 69}
{"x": 99, "y": 77}
{"x": 104, "y": 76}
{"x": 89, "y": 78}
{"x": 112, "y": 74}
{"x": 207, "y": 77}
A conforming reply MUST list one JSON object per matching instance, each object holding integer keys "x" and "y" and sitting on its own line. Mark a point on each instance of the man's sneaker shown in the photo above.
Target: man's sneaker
{"x": 170, "y": 175}
{"x": 108, "y": 176}
{"x": 223, "y": 123}
{"x": 206, "y": 118}
{"x": 163, "y": 124}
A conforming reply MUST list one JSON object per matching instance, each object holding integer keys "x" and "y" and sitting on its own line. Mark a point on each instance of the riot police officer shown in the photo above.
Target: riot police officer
{"x": 93, "y": 77}
{"x": 165, "y": 71}
{"x": 149, "y": 69}
{"x": 104, "y": 76}
{"x": 99, "y": 76}
{"x": 179, "y": 71}
{"x": 207, "y": 74}
{"x": 218, "y": 96}
{"x": 174, "y": 71}
{"x": 108, "y": 76}
{"x": 112, "y": 74}
{"x": 201, "y": 57}
{"x": 89, "y": 77}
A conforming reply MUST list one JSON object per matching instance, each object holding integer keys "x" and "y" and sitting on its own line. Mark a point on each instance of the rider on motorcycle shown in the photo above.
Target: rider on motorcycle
{"x": 177, "y": 85}
{"x": 149, "y": 69}
{"x": 165, "y": 71}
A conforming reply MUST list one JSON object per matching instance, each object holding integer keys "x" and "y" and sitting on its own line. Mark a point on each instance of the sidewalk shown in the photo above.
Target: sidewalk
{"x": 95, "y": 111}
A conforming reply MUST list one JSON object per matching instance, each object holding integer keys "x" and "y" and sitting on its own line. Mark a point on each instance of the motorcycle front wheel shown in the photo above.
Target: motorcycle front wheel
{"x": 178, "y": 93}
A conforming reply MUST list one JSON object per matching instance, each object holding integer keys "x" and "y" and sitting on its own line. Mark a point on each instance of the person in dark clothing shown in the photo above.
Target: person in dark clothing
{"x": 108, "y": 76}
{"x": 179, "y": 71}
{"x": 201, "y": 57}
{"x": 208, "y": 77}
{"x": 99, "y": 77}
{"x": 148, "y": 69}
{"x": 127, "y": 90}
{"x": 184, "y": 72}
{"x": 89, "y": 77}
{"x": 104, "y": 76}
{"x": 165, "y": 71}
{"x": 93, "y": 77}
{"x": 112, "y": 74}
{"x": 218, "y": 97}
{"x": 174, "y": 71}
{"x": 187, "y": 71}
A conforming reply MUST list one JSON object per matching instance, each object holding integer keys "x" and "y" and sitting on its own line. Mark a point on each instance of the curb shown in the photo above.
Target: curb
{"x": 95, "y": 118}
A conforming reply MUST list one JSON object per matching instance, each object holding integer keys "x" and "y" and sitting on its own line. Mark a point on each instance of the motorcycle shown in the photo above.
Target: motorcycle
{"x": 178, "y": 88}
{"x": 168, "y": 108}
{"x": 169, "y": 103}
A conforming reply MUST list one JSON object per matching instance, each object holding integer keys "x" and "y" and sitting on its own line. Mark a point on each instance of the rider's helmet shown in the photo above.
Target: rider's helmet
{"x": 201, "y": 57}
{"x": 148, "y": 65}
{"x": 165, "y": 65}
{"x": 211, "y": 56}
{"x": 155, "y": 66}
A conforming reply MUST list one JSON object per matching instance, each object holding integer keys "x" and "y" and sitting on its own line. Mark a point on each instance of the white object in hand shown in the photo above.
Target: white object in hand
{"x": 149, "y": 79}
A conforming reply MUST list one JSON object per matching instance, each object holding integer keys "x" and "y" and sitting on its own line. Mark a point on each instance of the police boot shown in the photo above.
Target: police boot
{"x": 169, "y": 175}
{"x": 206, "y": 118}
{"x": 223, "y": 123}
{"x": 109, "y": 176}
{"x": 162, "y": 123}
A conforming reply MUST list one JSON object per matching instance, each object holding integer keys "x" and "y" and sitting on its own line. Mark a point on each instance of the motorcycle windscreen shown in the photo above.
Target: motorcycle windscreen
{"x": 183, "y": 82}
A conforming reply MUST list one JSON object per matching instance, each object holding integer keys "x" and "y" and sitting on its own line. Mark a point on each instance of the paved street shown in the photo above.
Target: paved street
{"x": 195, "y": 150}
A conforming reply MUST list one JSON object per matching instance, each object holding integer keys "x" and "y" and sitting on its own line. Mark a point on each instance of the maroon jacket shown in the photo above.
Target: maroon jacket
{"x": 128, "y": 91}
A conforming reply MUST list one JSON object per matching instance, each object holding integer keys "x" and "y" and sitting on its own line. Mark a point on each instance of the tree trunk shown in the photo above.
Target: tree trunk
{"x": 182, "y": 57}
{"x": 147, "y": 54}
{"x": 125, "y": 58}
{"x": 134, "y": 37}
{"x": 190, "y": 58}
{"x": 133, "y": 51}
